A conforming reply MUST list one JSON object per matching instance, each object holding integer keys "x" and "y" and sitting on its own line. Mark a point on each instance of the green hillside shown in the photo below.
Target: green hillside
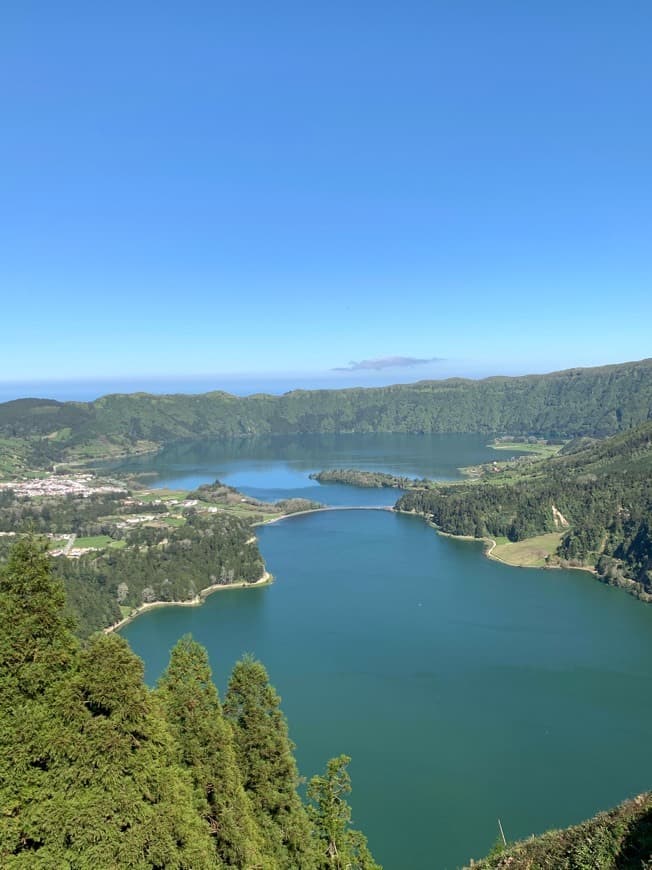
{"x": 597, "y": 494}
{"x": 597, "y": 401}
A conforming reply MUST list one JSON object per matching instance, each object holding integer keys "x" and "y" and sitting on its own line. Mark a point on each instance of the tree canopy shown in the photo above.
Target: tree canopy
{"x": 98, "y": 770}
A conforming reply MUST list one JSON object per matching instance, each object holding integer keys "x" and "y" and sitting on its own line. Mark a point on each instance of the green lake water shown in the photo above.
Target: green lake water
{"x": 463, "y": 689}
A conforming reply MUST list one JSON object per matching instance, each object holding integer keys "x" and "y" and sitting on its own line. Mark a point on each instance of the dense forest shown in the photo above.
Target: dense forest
{"x": 82, "y": 516}
{"x": 598, "y": 493}
{"x": 218, "y": 493}
{"x": 139, "y": 551}
{"x": 168, "y": 560}
{"x": 97, "y": 770}
{"x": 159, "y": 565}
{"x": 597, "y": 401}
{"x": 367, "y": 479}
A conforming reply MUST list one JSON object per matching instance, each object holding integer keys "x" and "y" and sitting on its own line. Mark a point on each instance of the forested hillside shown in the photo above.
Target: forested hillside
{"x": 132, "y": 552}
{"x": 597, "y": 401}
{"x": 599, "y": 494}
{"x": 97, "y": 770}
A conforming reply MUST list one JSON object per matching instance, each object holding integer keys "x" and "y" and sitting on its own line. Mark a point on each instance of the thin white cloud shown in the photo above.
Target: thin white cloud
{"x": 386, "y": 362}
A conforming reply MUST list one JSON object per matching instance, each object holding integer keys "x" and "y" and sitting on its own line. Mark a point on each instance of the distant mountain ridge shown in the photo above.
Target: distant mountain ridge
{"x": 593, "y": 401}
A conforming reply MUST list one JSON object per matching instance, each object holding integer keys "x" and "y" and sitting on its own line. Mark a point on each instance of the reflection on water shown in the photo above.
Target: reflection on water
{"x": 276, "y": 467}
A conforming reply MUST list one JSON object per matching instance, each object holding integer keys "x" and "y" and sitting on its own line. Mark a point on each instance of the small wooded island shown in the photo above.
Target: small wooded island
{"x": 368, "y": 479}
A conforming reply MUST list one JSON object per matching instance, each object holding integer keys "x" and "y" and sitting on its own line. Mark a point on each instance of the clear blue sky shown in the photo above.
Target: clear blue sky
{"x": 276, "y": 189}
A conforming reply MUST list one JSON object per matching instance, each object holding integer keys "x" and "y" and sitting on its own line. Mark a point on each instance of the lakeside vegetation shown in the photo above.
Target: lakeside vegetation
{"x": 39, "y": 433}
{"x": 229, "y": 498}
{"x": 620, "y": 839}
{"x": 118, "y": 550}
{"x": 530, "y": 553}
{"x": 538, "y": 446}
{"x": 98, "y": 770}
{"x": 596, "y": 495}
{"x": 368, "y": 479}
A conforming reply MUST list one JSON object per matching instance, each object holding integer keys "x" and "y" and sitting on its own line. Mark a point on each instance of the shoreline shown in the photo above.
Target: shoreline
{"x": 95, "y": 461}
{"x": 265, "y": 580}
{"x": 490, "y": 545}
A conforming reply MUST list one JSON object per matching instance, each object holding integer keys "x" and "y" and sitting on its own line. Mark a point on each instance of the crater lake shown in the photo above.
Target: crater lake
{"x": 464, "y": 690}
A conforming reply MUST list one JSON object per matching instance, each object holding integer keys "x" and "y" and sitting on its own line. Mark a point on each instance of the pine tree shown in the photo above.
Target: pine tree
{"x": 88, "y": 771}
{"x": 194, "y": 713}
{"x": 37, "y": 652}
{"x": 36, "y": 640}
{"x": 120, "y": 799}
{"x": 269, "y": 771}
{"x": 341, "y": 847}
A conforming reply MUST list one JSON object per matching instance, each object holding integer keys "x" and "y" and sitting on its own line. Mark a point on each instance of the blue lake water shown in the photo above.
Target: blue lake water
{"x": 464, "y": 690}
{"x": 278, "y": 467}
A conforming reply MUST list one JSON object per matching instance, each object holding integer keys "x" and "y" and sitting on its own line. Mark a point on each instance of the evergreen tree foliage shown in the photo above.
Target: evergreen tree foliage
{"x": 269, "y": 771}
{"x": 36, "y": 641}
{"x": 87, "y": 765}
{"x": 98, "y": 771}
{"x": 341, "y": 847}
{"x": 37, "y": 650}
{"x": 194, "y": 713}
{"x": 120, "y": 797}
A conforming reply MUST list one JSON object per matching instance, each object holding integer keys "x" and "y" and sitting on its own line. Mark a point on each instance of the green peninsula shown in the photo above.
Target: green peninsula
{"x": 119, "y": 548}
{"x": 589, "y": 506}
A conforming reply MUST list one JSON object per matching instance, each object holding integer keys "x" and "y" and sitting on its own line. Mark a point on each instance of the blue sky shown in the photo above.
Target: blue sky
{"x": 269, "y": 191}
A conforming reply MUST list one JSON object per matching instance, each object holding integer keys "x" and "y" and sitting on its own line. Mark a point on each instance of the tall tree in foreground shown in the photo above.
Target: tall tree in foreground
{"x": 88, "y": 773}
{"x": 120, "y": 798}
{"x": 194, "y": 713}
{"x": 341, "y": 847}
{"x": 36, "y": 640}
{"x": 268, "y": 768}
{"x": 37, "y": 653}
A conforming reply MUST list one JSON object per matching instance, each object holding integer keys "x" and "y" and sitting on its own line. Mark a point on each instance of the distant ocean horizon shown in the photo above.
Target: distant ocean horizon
{"x": 88, "y": 390}
{"x": 91, "y": 389}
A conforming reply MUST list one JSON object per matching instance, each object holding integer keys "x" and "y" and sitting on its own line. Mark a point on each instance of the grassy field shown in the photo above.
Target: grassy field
{"x": 539, "y": 448}
{"x": 95, "y": 541}
{"x": 148, "y": 495}
{"x": 530, "y": 553}
{"x": 60, "y": 434}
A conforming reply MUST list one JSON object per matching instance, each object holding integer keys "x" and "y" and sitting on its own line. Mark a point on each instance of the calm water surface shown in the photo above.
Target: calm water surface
{"x": 463, "y": 689}
{"x": 277, "y": 467}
